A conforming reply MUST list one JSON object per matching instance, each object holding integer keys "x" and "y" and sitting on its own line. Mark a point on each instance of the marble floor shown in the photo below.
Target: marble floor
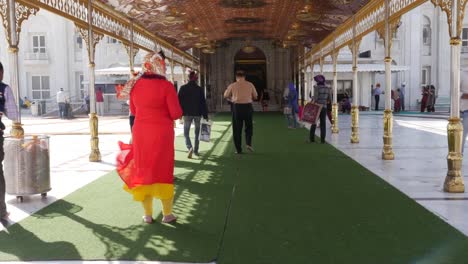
{"x": 420, "y": 165}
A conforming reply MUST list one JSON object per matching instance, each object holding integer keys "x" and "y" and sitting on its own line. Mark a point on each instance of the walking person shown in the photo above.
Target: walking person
{"x": 99, "y": 102}
{"x": 193, "y": 103}
{"x": 425, "y": 98}
{"x": 242, "y": 94}
{"x": 322, "y": 95}
{"x": 8, "y": 108}
{"x": 62, "y": 101}
{"x": 293, "y": 106}
{"x": 377, "y": 93}
{"x": 402, "y": 96}
{"x": 147, "y": 165}
{"x": 432, "y": 99}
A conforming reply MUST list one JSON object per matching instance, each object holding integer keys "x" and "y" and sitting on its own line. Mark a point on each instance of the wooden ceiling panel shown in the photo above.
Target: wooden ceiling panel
{"x": 188, "y": 23}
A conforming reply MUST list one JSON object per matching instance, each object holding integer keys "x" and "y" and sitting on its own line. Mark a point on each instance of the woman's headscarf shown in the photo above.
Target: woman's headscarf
{"x": 319, "y": 79}
{"x": 153, "y": 64}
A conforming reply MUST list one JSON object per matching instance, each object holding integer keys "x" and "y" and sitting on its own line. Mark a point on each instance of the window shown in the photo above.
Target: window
{"x": 40, "y": 87}
{"x": 78, "y": 42}
{"x": 80, "y": 85}
{"x": 465, "y": 37}
{"x": 427, "y": 35}
{"x": 39, "y": 44}
{"x": 426, "y": 75}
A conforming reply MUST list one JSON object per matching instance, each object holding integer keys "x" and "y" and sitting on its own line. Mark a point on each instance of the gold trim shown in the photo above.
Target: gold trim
{"x": 355, "y": 124}
{"x": 13, "y": 49}
{"x": 364, "y": 20}
{"x": 95, "y": 155}
{"x": 454, "y": 179}
{"x": 335, "y": 129}
{"x": 17, "y": 130}
{"x": 22, "y": 12}
{"x": 387, "y": 152}
{"x": 446, "y": 6}
{"x": 455, "y": 41}
{"x": 388, "y": 59}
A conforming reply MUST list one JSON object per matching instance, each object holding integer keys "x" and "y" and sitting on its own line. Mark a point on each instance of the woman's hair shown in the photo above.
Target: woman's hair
{"x": 161, "y": 53}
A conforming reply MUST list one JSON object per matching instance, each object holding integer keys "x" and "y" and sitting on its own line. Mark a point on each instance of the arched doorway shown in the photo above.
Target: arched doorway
{"x": 252, "y": 60}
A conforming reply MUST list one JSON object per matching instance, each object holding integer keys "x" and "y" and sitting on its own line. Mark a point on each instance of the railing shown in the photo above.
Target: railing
{"x": 108, "y": 21}
{"x": 367, "y": 19}
{"x": 37, "y": 56}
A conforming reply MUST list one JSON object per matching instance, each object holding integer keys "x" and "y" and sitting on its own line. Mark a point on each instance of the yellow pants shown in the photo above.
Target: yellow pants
{"x": 148, "y": 205}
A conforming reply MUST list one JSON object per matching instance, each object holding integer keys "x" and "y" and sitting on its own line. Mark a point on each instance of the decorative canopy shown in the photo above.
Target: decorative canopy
{"x": 205, "y": 24}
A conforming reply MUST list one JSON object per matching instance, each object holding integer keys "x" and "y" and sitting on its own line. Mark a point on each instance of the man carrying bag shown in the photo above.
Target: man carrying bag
{"x": 322, "y": 94}
{"x": 193, "y": 103}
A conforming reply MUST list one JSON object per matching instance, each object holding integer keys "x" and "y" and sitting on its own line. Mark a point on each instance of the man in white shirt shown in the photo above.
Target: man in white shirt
{"x": 62, "y": 100}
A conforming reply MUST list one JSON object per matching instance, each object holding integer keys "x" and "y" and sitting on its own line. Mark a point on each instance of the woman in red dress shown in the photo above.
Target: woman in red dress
{"x": 147, "y": 165}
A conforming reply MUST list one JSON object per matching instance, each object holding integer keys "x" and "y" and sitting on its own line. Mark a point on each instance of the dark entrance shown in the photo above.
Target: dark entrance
{"x": 253, "y": 62}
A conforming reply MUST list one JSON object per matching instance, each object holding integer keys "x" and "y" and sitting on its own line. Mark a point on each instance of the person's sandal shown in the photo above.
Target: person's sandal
{"x": 148, "y": 219}
{"x": 169, "y": 218}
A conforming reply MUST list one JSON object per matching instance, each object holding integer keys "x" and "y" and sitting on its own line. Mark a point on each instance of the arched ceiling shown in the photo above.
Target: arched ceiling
{"x": 207, "y": 23}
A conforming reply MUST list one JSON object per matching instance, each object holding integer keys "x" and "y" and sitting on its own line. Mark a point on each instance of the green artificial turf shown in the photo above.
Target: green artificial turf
{"x": 289, "y": 202}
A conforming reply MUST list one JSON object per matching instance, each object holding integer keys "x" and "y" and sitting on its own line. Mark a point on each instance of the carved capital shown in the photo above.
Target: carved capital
{"x": 446, "y": 6}
{"x": 135, "y": 51}
{"x": 394, "y": 24}
{"x": 96, "y": 38}
{"x": 22, "y": 13}
{"x": 355, "y": 47}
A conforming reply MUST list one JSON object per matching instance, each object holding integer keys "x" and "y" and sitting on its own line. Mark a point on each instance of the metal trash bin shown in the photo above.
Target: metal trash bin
{"x": 35, "y": 108}
{"x": 27, "y": 166}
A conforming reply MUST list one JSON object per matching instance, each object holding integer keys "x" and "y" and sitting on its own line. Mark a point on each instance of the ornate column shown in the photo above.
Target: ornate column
{"x": 92, "y": 39}
{"x": 335, "y": 129}
{"x": 354, "y": 47}
{"x": 131, "y": 50}
{"x": 13, "y": 14}
{"x": 387, "y": 33}
{"x": 455, "y": 10}
{"x": 172, "y": 66}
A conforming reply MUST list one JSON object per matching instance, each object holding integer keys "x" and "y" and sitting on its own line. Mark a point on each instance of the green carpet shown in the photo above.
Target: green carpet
{"x": 289, "y": 202}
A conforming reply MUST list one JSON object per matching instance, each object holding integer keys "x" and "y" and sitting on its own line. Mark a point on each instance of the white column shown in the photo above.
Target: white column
{"x": 13, "y": 56}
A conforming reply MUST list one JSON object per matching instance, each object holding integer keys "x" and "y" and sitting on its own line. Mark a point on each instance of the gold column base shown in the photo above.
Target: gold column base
{"x": 354, "y": 124}
{"x": 95, "y": 155}
{"x": 454, "y": 180}
{"x": 335, "y": 129}
{"x": 17, "y": 130}
{"x": 387, "y": 152}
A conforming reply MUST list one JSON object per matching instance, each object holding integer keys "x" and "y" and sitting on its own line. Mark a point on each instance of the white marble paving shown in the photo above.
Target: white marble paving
{"x": 420, "y": 165}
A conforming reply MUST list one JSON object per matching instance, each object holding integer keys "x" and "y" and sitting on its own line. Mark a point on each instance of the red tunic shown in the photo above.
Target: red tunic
{"x": 154, "y": 102}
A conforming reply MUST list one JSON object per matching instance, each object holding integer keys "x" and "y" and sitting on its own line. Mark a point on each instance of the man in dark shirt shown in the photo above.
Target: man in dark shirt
{"x": 193, "y": 103}
{"x": 322, "y": 95}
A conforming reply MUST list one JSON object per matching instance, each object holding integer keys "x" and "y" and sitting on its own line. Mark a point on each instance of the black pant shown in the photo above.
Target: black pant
{"x": 377, "y": 99}
{"x": 3, "y": 210}
{"x": 131, "y": 118}
{"x": 323, "y": 129}
{"x": 242, "y": 114}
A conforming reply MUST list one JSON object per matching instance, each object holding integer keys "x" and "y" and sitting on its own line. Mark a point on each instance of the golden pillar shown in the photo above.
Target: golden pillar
{"x": 455, "y": 11}
{"x": 387, "y": 153}
{"x": 454, "y": 180}
{"x": 335, "y": 129}
{"x": 95, "y": 154}
{"x": 355, "y": 124}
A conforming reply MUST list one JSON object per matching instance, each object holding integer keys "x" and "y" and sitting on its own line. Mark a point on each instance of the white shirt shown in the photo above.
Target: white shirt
{"x": 61, "y": 97}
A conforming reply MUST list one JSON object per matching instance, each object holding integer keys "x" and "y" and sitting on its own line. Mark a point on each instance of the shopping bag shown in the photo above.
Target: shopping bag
{"x": 311, "y": 112}
{"x": 205, "y": 134}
